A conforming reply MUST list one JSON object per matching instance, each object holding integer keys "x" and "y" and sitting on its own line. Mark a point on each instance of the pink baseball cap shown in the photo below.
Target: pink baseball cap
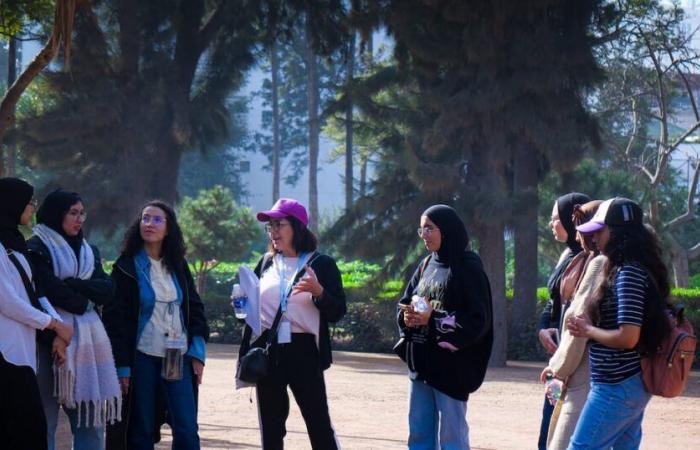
{"x": 285, "y": 207}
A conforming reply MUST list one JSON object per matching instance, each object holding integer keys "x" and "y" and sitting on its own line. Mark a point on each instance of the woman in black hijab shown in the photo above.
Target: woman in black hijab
{"x": 22, "y": 420}
{"x": 564, "y": 230}
{"x": 70, "y": 274}
{"x": 445, "y": 318}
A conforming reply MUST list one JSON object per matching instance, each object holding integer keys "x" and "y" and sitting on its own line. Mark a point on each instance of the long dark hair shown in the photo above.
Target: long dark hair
{"x": 629, "y": 244}
{"x": 173, "y": 250}
{"x": 582, "y": 214}
{"x": 303, "y": 240}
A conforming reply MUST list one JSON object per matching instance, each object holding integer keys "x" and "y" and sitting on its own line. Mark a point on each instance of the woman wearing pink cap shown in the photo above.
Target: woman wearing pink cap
{"x": 303, "y": 288}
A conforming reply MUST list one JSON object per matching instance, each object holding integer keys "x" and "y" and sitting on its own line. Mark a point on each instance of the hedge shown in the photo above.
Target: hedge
{"x": 369, "y": 324}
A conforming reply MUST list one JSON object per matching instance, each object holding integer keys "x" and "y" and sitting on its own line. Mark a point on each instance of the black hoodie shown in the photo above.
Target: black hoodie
{"x": 450, "y": 354}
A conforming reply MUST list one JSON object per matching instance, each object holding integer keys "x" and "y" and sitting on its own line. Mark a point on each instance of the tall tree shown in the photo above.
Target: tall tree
{"x": 349, "y": 153}
{"x": 314, "y": 126}
{"x": 149, "y": 81}
{"x": 490, "y": 84}
{"x": 12, "y": 17}
{"x": 648, "y": 107}
{"x": 276, "y": 145}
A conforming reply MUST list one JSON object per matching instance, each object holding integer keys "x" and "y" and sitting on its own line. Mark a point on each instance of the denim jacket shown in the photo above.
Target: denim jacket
{"x": 147, "y": 298}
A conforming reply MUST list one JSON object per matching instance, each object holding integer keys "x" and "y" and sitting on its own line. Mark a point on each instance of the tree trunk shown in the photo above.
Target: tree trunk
{"x": 492, "y": 251}
{"x": 525, "y": 228}
{"x": 201, "y": 282}
{"x": 11, "y": 167}
{"x": 679, "y": 262}
{"x": 61, "y": 33}
{"x": 363, "y": 176}
{"x": 164, "y": 178}
{"x": 349, "y": 179}
{"x": 312, "y": 87}
{"x": 274, "y": 63}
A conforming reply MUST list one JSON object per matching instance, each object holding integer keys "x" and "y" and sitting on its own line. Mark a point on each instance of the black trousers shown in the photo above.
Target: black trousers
{"x": 295, "y": 365}
{"x": 22, "y": 419}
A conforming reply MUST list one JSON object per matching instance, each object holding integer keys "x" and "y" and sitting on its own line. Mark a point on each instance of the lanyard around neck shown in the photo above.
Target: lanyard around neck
{"x": 286, "y": 286}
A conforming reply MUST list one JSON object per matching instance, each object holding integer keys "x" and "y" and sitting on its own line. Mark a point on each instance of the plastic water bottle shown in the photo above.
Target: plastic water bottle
{"x": 553, "y": 387}
{"x": 239, "y": 300}
{"x": 419, "y": 304}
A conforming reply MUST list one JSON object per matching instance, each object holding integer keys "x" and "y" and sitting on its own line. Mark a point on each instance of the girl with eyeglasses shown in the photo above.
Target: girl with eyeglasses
{"x": 446, "y": 322}
{"x": 70, "y": 273}
{"x": 158, "y": 331}
{"x": 22, "y": 419}
{"x": 304, "y": 288}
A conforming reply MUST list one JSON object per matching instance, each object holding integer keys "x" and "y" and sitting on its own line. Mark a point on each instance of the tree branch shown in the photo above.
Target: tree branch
{"x": 690, "y": 203}
{"x": 212, "y": 26}
{"x": 64, "y": 17}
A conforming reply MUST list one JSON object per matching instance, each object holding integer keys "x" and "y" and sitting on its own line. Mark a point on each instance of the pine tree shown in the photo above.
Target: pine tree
{"x": 492, "y": 97}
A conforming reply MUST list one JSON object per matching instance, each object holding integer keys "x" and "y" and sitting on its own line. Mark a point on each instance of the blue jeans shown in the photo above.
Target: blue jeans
{"x": 436, "y": 420}
{"x": 612, "y": 416}
{"x": 84, "y": 437}
{"x": 146, "y": 382}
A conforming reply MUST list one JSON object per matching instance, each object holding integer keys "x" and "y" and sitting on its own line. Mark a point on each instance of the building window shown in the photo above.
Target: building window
{"x": 244, "y": 166}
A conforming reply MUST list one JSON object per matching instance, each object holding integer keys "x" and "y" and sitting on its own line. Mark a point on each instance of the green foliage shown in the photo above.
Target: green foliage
{"x": 216, "y": 229}
{"x": 16, "y": 14}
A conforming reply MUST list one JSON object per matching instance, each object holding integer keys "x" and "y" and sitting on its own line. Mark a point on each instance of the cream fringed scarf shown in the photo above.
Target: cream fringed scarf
{"x": 88, "y": 379}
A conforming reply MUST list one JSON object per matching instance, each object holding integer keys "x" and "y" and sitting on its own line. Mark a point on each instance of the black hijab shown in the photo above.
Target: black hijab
{"x": 565, "y": 208}
{"x": 455, "y": 239}
{"x": 15, "y": 195}
{"x": 54, "y": 209}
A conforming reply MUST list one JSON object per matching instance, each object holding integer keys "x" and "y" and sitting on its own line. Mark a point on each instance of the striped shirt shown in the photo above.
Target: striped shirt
{"x": 623, "y": 304}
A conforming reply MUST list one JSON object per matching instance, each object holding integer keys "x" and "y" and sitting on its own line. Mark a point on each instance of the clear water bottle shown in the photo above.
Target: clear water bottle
{"x": 553, "y": 388}
{"x": 239, "y": 300}
{"x": 419, "y": 304}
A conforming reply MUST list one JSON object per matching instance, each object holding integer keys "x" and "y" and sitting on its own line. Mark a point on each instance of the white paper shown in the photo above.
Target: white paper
{"x": 251, "y": 286}
{"x": 48, "y": 307}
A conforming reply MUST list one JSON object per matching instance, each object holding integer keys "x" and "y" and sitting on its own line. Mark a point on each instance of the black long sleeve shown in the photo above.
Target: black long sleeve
{"x": 71, "y": 295}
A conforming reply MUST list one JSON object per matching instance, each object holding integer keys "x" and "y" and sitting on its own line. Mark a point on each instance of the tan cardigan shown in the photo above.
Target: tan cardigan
{"x": 570, "y": 361}
{"x": 571, "y": 350}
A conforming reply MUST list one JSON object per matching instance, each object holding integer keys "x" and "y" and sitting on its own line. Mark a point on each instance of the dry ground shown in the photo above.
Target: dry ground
{"x": 368, "y": 400}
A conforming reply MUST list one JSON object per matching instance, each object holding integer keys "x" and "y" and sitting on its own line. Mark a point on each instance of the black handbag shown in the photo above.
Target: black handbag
{"x": 255, "y": 365}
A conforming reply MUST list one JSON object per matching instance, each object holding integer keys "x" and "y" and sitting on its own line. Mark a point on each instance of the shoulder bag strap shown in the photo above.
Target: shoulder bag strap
{"x": 273, "y": 329}
{"x": 31, "y": 292}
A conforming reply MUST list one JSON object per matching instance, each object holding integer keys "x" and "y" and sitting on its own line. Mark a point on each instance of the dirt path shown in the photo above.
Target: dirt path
{"x": 368, "y": 401}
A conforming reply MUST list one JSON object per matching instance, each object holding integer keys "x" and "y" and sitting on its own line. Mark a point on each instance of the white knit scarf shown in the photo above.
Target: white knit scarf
{"x": 88, "y": 378}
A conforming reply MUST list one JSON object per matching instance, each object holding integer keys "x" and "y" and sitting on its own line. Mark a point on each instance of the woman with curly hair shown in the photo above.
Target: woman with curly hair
{"x": 158, "y": 331}
{"x": 632, "y": 319}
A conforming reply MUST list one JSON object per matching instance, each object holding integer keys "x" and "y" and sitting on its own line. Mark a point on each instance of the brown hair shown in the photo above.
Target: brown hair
{"x": 582, "y": 214}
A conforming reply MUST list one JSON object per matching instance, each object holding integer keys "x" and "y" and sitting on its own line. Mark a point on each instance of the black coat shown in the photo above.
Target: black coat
{"x": 467, "y": 305}
{"x": 121, "y": 319}
{"x": 71, "y": 294}
{"x": 331, "y": 304}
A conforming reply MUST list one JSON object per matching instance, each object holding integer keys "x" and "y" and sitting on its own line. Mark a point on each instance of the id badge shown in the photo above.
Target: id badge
{"x": 172, "y": 366}
{"x": 284, "y": 332}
